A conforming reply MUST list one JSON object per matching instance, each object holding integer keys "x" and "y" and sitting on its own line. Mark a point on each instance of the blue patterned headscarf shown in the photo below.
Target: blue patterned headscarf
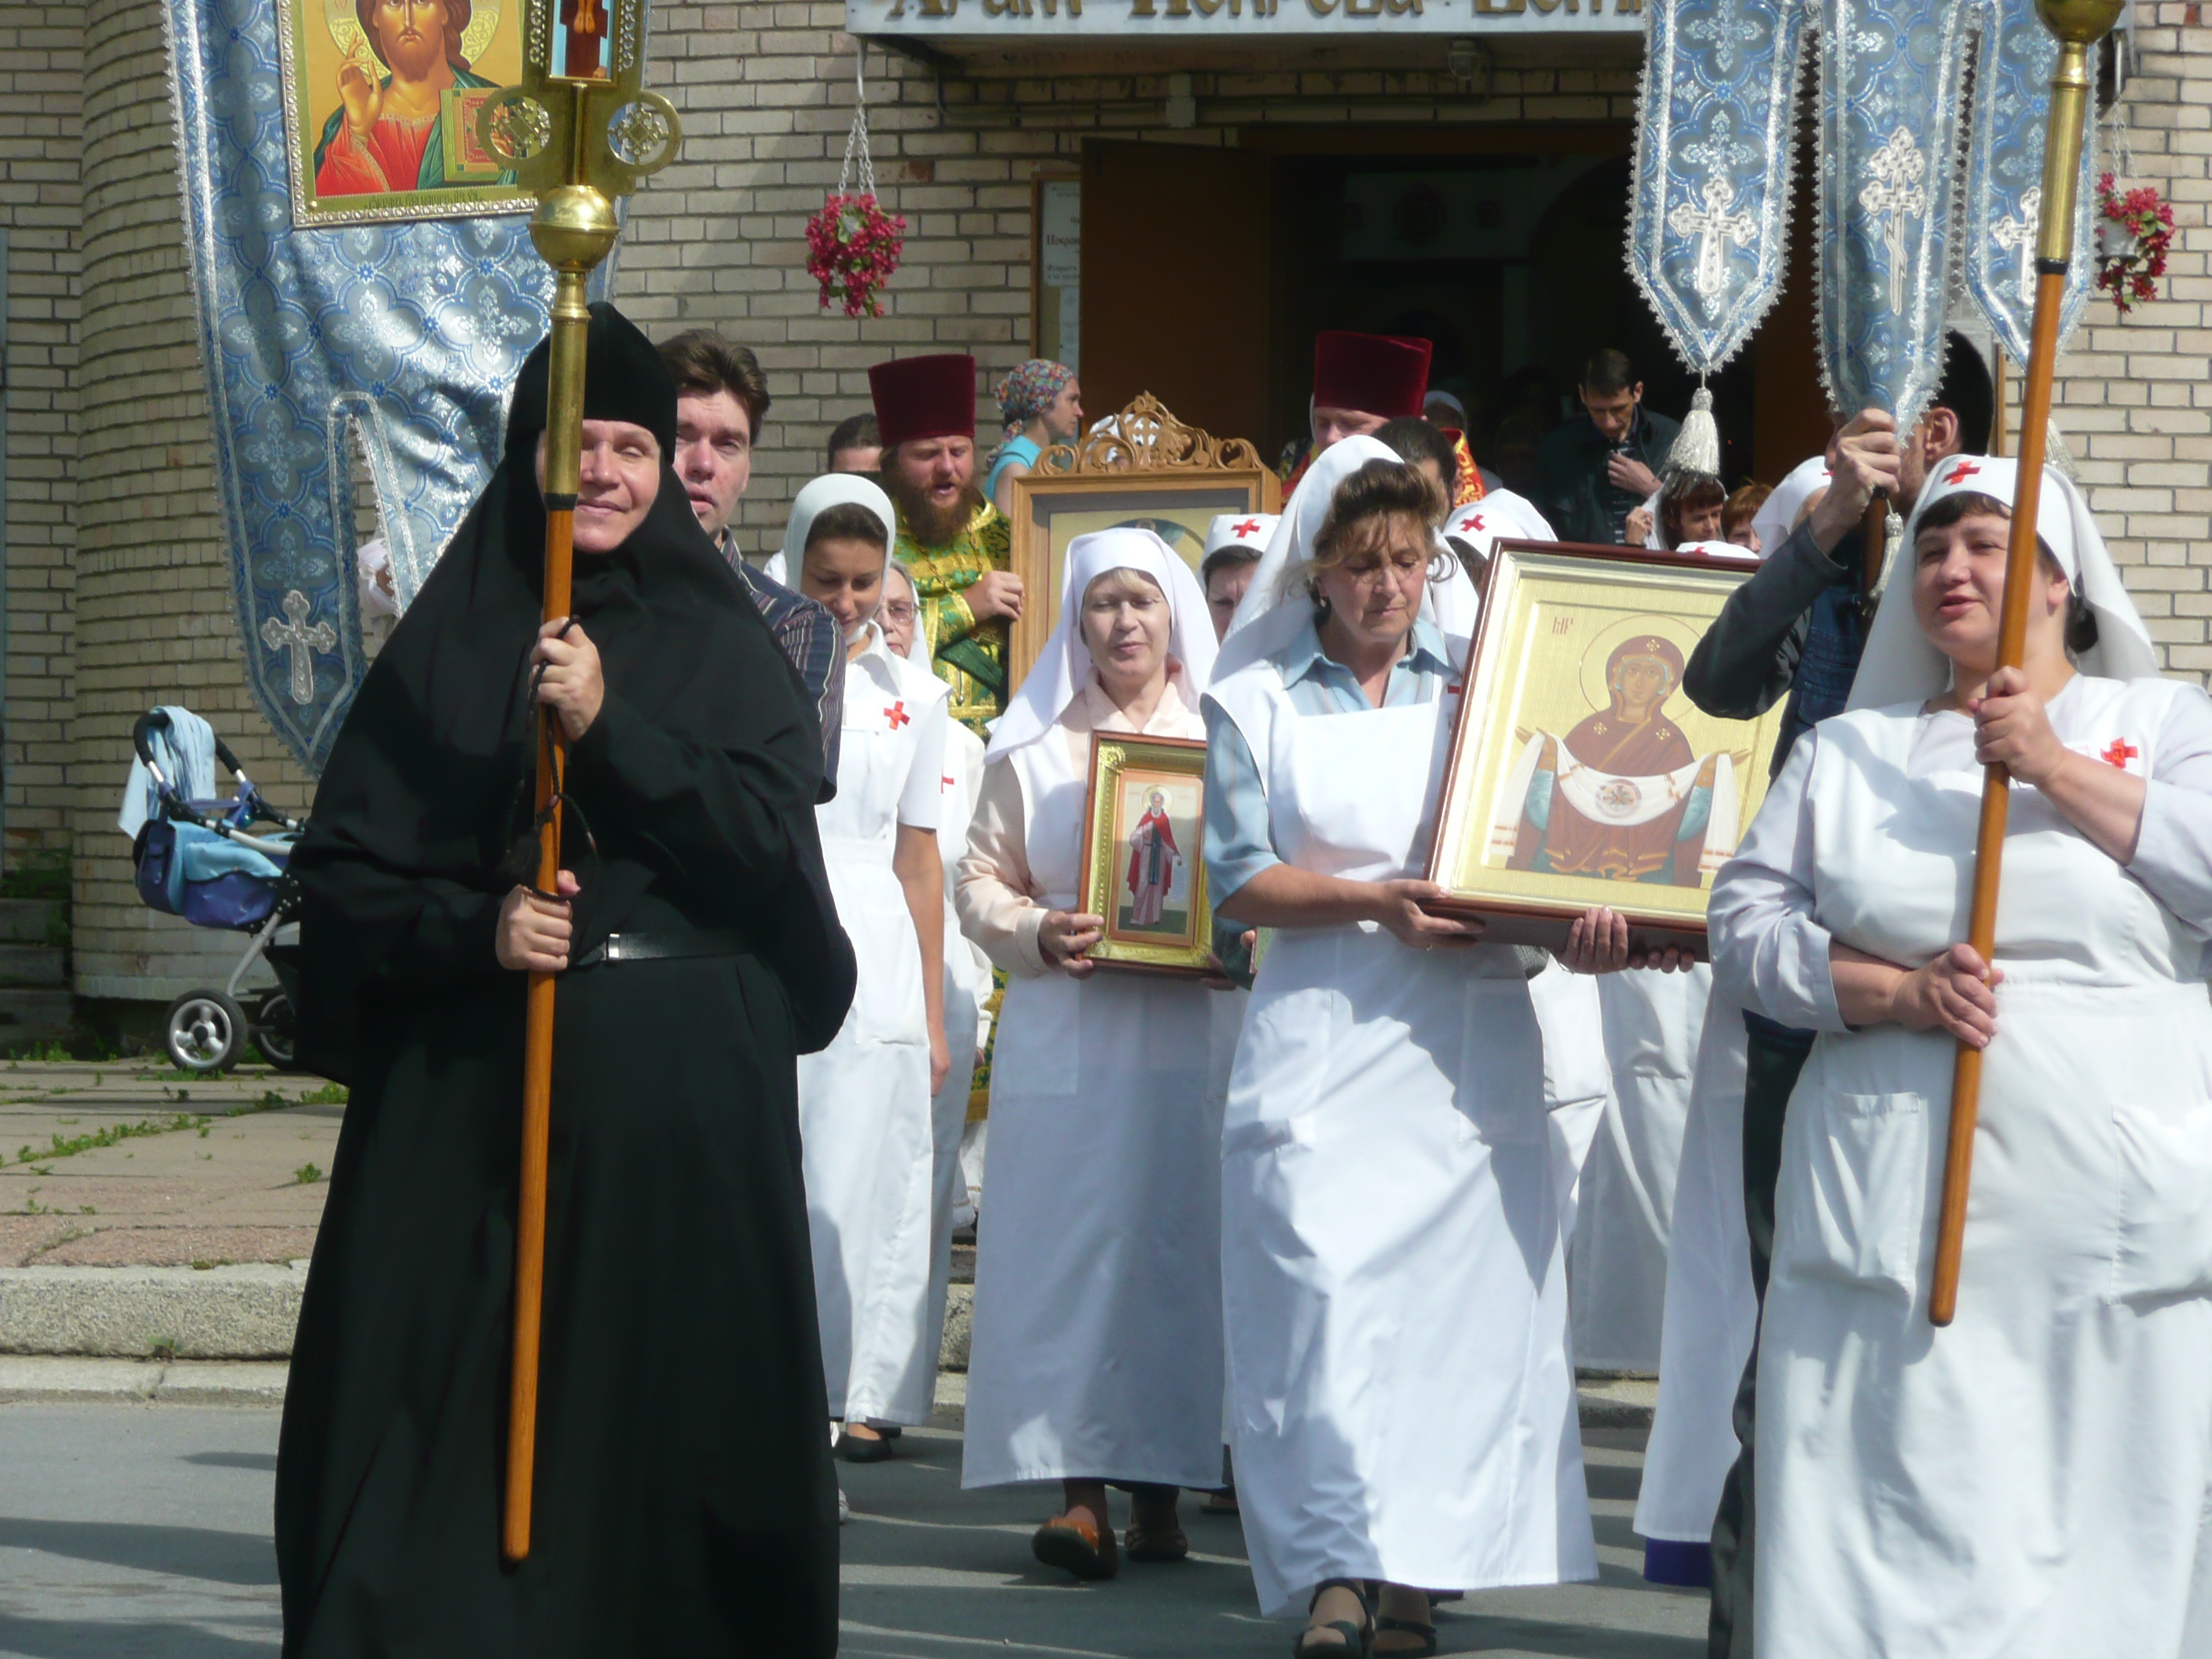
{"x": 1029, "y": 387}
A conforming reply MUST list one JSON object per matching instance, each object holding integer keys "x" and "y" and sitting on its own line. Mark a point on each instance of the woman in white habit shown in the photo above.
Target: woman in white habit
{"x": 1097, "y": 1353}
{"x": 967, "y": 970}
{"x": 1402, "y": 1406}
{"x": 864, "y": 1102}
{"x": 2035, "y": 1480}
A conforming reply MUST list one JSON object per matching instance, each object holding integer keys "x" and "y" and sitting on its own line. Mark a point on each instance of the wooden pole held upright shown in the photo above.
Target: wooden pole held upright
{"x": 2079, "y": 25}
{"x": 578, "y": 139}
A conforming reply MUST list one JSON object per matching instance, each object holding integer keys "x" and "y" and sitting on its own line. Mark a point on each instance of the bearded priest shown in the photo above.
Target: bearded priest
{"x": 952, "y": 542}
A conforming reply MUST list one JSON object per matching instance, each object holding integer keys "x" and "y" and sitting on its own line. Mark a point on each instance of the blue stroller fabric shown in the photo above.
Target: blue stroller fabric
{"x": 185, "y": 752}
{"x": 208, "y": 879}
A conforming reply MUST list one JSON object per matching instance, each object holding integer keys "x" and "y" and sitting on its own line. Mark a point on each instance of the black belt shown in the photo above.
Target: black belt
{"x": 664, "y": 947}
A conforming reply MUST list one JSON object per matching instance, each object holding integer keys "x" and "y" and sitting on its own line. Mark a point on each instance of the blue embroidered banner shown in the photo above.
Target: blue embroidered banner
{"x": 2004, "y": 177}
{"x": 1710, "y": 222}
{"x": 1890, "y": 88}
{"x": 408, "y": 333}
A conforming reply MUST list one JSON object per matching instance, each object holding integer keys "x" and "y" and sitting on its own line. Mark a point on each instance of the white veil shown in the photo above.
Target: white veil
{"x": 1266, "y": 620}
{"x": 1899, "y": 663}
{"x": 1064, "y": 663}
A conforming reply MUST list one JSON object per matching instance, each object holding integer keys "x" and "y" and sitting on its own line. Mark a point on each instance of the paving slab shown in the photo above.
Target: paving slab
{"x": 129, "y": 1164}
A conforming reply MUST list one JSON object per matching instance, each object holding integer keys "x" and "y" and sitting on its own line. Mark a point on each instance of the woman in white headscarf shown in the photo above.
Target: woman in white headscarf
{"x": 2035, "y": 1480}
{"x": 1096, "y": 1354}
{"x": 967, "y": 970}
{"x": 1402, "y": 1409}
{"x": 864, "y": 1102}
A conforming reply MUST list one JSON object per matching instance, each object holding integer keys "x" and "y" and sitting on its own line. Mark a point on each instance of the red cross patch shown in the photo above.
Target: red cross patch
{"x": 896, "y": 714}
{"x": 1249, "y": 528}
{"x": 2118, "y": 753}
{"x": 1960, "y": 473}
{"x": 1472, "y": 522}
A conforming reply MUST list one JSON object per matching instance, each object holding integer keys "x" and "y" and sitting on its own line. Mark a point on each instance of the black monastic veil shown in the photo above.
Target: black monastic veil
{"x": 684, "y": 1496}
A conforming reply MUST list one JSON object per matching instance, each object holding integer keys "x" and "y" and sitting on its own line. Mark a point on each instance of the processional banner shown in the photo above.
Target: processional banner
{"x": 2004, "y": 178}
{"x": 360, "y": 272}
{"x": 1710, "y": 218}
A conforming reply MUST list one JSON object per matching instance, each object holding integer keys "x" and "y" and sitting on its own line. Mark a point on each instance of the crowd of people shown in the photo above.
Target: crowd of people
{"x": 1326, "y": 1241}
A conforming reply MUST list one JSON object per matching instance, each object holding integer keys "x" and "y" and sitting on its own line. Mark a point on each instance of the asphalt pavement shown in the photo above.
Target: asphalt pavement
{"x": 142, "y": 1530}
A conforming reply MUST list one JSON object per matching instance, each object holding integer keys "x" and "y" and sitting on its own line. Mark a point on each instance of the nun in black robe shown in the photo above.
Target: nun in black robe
{"x": 684, "y": 1501}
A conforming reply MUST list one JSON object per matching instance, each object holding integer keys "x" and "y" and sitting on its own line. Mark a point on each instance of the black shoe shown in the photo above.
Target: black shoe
{"x": 854, "y": 1450}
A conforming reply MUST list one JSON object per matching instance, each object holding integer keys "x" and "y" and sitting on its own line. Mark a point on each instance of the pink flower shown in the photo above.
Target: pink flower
{"x": 853, "y": 246}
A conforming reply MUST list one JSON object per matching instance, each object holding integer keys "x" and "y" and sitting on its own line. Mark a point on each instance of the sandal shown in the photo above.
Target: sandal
{"x": 1357, "y": 1637}
{"x": 1074, "y": 1544}
{"x": 1154, "y": 1534}
{"x": 1385, "y": 1623}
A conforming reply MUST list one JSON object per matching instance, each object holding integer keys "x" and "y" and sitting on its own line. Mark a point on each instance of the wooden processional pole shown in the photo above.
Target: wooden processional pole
{"x": 2079, "y": 25}
{"x": 578, "y": 139}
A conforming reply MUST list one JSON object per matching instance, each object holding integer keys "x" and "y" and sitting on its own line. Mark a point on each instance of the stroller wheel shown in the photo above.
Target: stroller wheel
{"x": 272, "y": 1032}
{"x": 205, "y": 1031}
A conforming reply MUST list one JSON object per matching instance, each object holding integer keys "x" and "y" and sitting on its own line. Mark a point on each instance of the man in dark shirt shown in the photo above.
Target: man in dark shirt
{"x": 1796, "y": 629}
{"x": 1598, "y": 468}
{"x": 721, "y": 399}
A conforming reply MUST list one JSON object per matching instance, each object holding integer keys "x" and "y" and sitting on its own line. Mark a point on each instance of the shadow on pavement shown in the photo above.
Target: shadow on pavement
{"x": 107, "y": 1639}
{"x": 222, "y": 1558}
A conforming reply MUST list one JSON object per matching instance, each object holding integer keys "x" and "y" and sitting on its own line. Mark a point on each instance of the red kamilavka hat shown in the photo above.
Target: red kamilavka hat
{"x": 1375, "y": 373}
{"x": 924, "y": 396}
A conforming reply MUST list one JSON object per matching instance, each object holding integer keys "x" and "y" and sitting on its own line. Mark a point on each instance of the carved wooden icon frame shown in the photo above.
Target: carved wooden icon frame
{"x": 1146, "y": 468}
{"x": 1579, "y": 772}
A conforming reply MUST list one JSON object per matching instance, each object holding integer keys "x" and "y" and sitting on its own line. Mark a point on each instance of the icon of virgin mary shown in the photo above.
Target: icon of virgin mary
{"x": 1622, "y": 796}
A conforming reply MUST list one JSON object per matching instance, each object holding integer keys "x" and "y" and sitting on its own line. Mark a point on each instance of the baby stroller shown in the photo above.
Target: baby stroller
{"x": 199, "y": 857}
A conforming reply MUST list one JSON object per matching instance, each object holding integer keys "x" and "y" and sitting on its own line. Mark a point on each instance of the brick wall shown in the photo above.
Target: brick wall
{"x": 155, "y": 622}
{"x": 766, "y": 95}
{"x": 41, "y": 206}
{"x": 765, "y": 88}
{"x": 2133, "y": 394}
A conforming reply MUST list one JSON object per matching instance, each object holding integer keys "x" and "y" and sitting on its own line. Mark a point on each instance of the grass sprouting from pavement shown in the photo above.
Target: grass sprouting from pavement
{"x": 331, "y": 1094}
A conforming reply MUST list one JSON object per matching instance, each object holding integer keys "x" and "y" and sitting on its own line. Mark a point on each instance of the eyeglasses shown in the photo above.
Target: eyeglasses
{"x": 899, "y": 610}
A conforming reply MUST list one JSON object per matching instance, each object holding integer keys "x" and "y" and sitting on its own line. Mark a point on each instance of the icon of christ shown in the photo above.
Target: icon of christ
{"x": 385, "y": 136}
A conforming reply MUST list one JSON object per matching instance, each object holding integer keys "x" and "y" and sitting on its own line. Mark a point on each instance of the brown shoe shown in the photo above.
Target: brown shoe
{"x": 1155, "y": 1543}
{"x": 1074, "y": 1544}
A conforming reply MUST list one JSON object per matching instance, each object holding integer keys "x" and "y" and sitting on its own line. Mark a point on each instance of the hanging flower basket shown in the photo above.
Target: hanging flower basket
{"x": 2134, "y": 232}
{"x": 853, "y": 246}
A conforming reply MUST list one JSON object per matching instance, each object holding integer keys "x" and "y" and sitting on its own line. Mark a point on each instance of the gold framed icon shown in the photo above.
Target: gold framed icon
{"x": 1580, "y": 772}
{"x": 1143, "y": 865}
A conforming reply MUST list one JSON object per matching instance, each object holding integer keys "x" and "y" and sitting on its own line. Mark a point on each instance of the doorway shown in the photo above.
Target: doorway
{"x": 1206, "y": 272}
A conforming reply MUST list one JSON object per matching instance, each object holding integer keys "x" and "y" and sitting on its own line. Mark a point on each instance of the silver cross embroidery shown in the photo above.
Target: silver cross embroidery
{"x": 2017, "y": 236}
{"x": 1896, "y": 195}
{"x": 1726, "y": 31}
{"x": 296, "y": 638}
{"x": 1715, "y": 226}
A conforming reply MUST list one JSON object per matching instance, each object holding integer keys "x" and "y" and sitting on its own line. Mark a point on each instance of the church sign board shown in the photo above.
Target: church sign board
{"x": 1242, "y": 22}
{"x": 1580, "y": 772}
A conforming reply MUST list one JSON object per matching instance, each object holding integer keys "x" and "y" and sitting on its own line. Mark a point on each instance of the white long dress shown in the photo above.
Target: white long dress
{"x": 967, "y": 987}
{"x": 1577, "y": 1077}
{"x": 1711, "y": 1313}
{"x": 1393, "y": 1286}
{"x": 2034, "y": 1481}
{"x": 864, "y": 1105}
{"x": 1617, "y": 1270}
{"x": 1097, "y": 1352}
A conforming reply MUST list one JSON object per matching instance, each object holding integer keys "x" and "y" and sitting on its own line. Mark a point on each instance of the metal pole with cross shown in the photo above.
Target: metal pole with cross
{"x": 579, "y": 138}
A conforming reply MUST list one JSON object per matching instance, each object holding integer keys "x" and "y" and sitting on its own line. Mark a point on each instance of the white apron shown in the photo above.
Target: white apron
{"x": 1617, "y": 1270}
{"x": 1711, "y": 1313}
{"x": 1097, "y": 1352}
{"x": 967, "y": 983}
{"x": 2033, "y": 1482}
{"x": 1577, "y": 1077}
{"x": 1402, "y": 1406}
{"x": 864, "y": 1109}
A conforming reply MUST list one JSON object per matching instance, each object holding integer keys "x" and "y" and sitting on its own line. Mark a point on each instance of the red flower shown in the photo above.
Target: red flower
{"x": 2135, "y": 233}
{"x": 853, "y": 244}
